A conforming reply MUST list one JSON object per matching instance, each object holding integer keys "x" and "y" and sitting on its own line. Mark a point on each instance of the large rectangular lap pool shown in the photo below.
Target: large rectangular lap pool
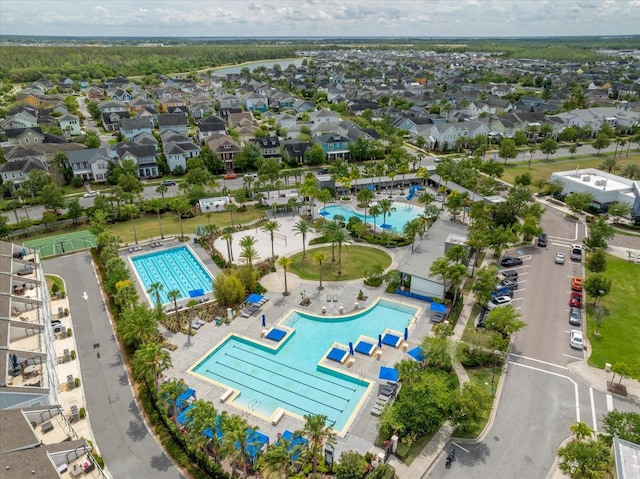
{"x": 176, "y": 268}
{"x": 290, "y": 376}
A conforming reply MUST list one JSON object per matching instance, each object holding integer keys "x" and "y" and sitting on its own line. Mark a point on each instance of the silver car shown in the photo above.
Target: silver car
{"x": 575, "y": 316}
{"x": 559, "y": 258}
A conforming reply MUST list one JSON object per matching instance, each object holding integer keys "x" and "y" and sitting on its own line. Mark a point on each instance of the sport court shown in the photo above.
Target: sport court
{"x": 62, "y": 244}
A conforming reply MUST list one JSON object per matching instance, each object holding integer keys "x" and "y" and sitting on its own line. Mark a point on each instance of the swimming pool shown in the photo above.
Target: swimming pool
{"x": 404, "y": 213}
{"x": 175, "y": 268}
{"x": 289, "y": 375}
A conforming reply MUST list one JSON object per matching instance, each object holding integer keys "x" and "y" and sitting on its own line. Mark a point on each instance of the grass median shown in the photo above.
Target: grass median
{"x": 619, "y": 332}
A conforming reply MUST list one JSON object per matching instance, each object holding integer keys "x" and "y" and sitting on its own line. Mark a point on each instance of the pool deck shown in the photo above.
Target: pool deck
{"x": 364, "y": 426}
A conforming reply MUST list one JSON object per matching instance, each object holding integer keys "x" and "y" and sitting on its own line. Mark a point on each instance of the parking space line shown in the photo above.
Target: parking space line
{"x": 573, "y": 357}
{"x": 593, "y": 411}
{"x": 609, "y": 403}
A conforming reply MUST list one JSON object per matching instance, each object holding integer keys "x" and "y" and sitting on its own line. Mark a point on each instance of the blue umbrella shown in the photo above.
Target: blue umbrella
{"x": 264, "y": 321}
{"x": 385, "y": 226}
{"x": 406, "y": 333}
{"x": 379, "y": 341}
{"x": 350, "y": 348}
{"x": 390, "y": 374}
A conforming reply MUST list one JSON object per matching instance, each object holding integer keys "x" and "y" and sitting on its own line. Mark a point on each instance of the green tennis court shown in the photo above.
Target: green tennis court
{"x": 62, "y": 244}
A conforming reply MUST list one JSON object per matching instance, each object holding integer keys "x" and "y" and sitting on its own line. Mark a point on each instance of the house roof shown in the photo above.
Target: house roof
{"x": 430, "y": 248}
{"x": 136, "y": 149}
{"x": 89, "y": 155}
{"x": 172, "y": 119}
{"x": 138, "y": 123}
{"x": 18, "y": 132}
{"x": 266, "y": 142}
{"x": 19, "y": 151}
{"x": 25, "y": 165}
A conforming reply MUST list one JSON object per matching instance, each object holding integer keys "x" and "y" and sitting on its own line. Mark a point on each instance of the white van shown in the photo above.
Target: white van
{"x": 576, "y": 252}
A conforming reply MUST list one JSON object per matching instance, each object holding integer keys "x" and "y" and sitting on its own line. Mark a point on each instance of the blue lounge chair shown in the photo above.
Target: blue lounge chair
{"x": 391, "y": 340}
{"x": 365, "y": 348}
{"x": 338, "y": 355}
{"x": 276, "y": 334}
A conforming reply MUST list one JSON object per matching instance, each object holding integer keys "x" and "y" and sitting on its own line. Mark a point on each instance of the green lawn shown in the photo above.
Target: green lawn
{"x": 355, "y": 261}
{"x": 620, "y": 329}
{"x": 543, "y": 169}
{"x": 487, "y": 379}
{"x": 148, "y": 227}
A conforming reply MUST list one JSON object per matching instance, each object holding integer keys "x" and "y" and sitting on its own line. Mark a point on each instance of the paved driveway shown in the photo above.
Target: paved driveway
{"x": 127, "y": 446}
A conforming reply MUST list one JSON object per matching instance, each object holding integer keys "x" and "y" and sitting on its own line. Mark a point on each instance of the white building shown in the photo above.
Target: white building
{"x": 606, "y": 188}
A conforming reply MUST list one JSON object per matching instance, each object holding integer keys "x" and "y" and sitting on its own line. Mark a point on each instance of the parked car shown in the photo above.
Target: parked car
{"x": 575, "y": 316}
{"x": 511, "y": 261}
{"x": 509, "y": 284}
{"x": 576, "y": 252}
{"x": 91, "y": 194}
{"x": 439, "y": 197}
{"x": 502, "y": 292}
{"x": 57, "y": 326}
{"x": 509, "y": 274}
{"x": 559, "y": 258}
{"x": 575, "y": 300}
{"x": 169, "y": 183}
{"x": 576, "y": 340}
{"x": 576, "y": 283}
{"x": 230, "y": 176}
{"x": 542, "y": 240}
{"x": 498, "y": 301}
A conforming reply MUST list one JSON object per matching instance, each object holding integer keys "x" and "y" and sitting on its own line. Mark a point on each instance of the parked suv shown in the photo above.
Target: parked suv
{"x": 542, "y": 240}
{"x": 509, "y": 274}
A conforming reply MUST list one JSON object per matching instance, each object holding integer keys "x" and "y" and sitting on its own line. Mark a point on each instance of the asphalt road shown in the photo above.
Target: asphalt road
{"x": 127, "y": 446}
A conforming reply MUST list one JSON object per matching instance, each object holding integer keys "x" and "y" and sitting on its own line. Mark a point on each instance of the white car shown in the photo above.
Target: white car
{"x": 91, "y": 194}
{"x": 559, "y": 258}
{"x": 439, "y": 197}
{"x": 576, "y": 341}
{"x": 498, "y": 301}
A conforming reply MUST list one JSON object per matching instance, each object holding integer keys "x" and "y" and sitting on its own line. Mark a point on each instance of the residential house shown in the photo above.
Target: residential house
{"x": 303, "y": 106}
{"x": 139, "y": 104}
{"x": 225, "y": 147}
{"x": 202, "y": 107}
{"x": 24, "y": 137}
{"x": 131, "y": 127}
{"x": 285, "y": 121}
{"x": 90, "y": 164}
{"x": 144, "y": 156}
{"x": 176, "y": 122}
{"x": 147, "y": 139}
{"x": 119, "y": 94}
{"x": 269, "y": 147}
{"x": 22, "y": 119}
{"x": 169, "y": 105}
{"x": 150, "y": 114}
{"x": 95, "y": 94}
{"x": 442, "y": 136}
{"x": 19, "y": 152}
{"x": 322, "y": 128}
{"x": 227, "y": 101}
{"x": 353, "y": 132}
{"x": 334, "y": 145}
{"x": 18, "y": 171}
{"x": 324, "y": 116}
{"x": 111, "y": 120}
{"x": 111, "y": 106}
{"x": 293, "y": 151}
{"x": 235, "y": 120}
{"x": 70, "y": 125}
{"x": 178, "y": 148}
{"x": 211, "y": 125}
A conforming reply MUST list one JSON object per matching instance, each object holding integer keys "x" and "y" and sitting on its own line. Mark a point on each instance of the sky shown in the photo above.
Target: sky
{"x": 319, "y": 18}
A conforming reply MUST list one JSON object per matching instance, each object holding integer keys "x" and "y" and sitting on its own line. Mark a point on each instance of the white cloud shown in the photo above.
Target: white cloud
{"x": 321, "y": 17}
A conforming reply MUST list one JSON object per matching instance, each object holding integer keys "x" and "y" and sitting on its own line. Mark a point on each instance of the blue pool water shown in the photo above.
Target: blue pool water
{"x": 397, "y": 219}
{"x": 290, "y": 377}
{"x": 176, "y": 268}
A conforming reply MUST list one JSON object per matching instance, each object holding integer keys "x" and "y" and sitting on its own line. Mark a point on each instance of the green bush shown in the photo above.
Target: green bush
{"x": 69, "y": 332}
{"x": 82, "y": 413}
{"x": 76, "y": 382}
{"x": 375, "y": 282}
{"x": 472, "y": 357}
{"x": 73, "y": 354}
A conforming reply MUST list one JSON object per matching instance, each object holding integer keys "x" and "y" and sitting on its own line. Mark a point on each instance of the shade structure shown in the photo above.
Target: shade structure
{"x": 255, "y": 442}
{"x": 438, "y": 308}
{"x": 350, "y": 348}
{"x": 183, "y": 416}
{"x": 264, "y": 321}
{"x": 385, "y": 226}
{"x": 195, "y": 293}
{"x": 254, "y": 298}
{"x": 379, "y": 341}
{"x": 370, "y": 187}
{"x": 388, "y": 374}
{"x": 417, "y": 353}
{"x": 184, "y": 397}
{"x": 406, "y": 333}
{"x": 294, "y": 441}
{"x": 324, "y": 213}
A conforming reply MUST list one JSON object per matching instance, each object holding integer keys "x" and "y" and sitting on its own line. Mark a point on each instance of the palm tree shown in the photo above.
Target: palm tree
{"x": 227, "y": 236}
{"x": 173, "y": 295}
{"x": 162, "y": 189}
{"x": 170, "y": 391}
{"x": 386, "y": 207}
{"x": 238, "y": 439}
{"x": 192, "y": 303}
{"x": 181, "y": 206}
{"x": 271, "y": 227}
{"x": 341, "y": 237}
{"x": 365, "y": 197}
{"x": 317, "y": 433}
{"x": 200, "y": 418}
{"x": 303, "y": 227}
{"x": 154, "y": 290}
{"x": 375, "y": 210}
{"x": 149, "y": 361}
{"x": 280, "y": 458}
{"x": 249, "y": 254}
{"x": 403, "y": 169}
{"x": 132, "y": 212}
{"x": 157, "y": 205}
{"x": 284, "y": 262}
{"x": 590, "y": 459}
{"x": 230, "y": 207}
{"x": 329, "y": 231}
{"x": 320, "y": 258}
{"x": 581, "y": 431}
{"x": 609, "y": 164}
{"x": 426, "y": 199}
{"x": 631, "y": 171}
{"x": 138, "y": 325}
{"x": 441, "y": 268}
{"x": 457, "y": 274}
{"x": 411, "y": 230}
